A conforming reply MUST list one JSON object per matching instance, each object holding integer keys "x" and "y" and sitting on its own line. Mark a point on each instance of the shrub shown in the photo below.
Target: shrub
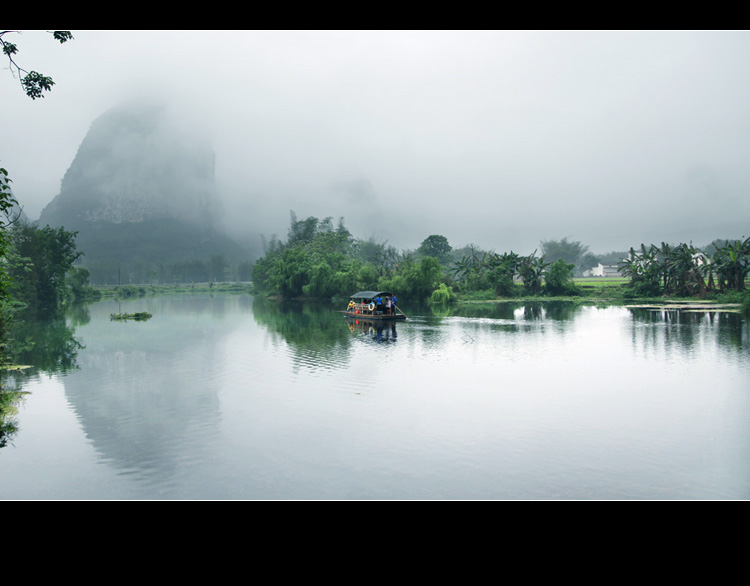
{"x": 442, "y": 295}
{"x": 559, "y": 279}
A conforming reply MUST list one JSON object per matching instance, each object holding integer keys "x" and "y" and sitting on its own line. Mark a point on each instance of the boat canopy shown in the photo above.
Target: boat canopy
{"x": 370, "y": 295}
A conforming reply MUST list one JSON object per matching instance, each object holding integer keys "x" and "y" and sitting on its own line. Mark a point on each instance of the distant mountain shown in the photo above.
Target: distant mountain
{"x": 141, "y": 194}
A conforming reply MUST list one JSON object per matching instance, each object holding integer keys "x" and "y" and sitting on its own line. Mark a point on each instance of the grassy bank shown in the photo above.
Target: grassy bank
{"x": 613, "y": 291}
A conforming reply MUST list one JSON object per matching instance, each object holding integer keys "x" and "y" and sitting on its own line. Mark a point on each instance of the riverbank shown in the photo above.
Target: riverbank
{"x": 613, "y": 291}
{"x": 593, "y": 292}
{"x": 648, "y": 303}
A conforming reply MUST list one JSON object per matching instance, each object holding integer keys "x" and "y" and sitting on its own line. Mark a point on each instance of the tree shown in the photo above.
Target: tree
{"x": 301, "y": 231}
{"x": 442, "y": 295}
{"x": 7, "y": 203}
{"x": 417, "y": 280}
{"x": 732, "y": 264}
{"x": 289, "y": 273}
{"x": 572, "y": 252}
{"x": 531, "y": 270}
{"x": 643, "y": 270}
{"x": 558, "y": 279}
{"x": 683, "y": 271}
{"x": 501, "y": 270}
{"x": 380, "y": 254}
{"x": 437, "y": 247}
{"x": 320, "y": 281}
{"x": 424, "y": 277}
{"x": 469, "y": 270}
{"x": 32, "y": 82}
{"x": 40, "y": 264}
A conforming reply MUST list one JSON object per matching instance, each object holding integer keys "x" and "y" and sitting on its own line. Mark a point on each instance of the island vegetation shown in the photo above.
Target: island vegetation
{"x": 321, "y": 260}
{"x": 137, "y": 316}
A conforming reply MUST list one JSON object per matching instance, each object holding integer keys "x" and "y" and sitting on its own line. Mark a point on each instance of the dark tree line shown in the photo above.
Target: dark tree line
{"x": 39, "y": 263}
{"x": 502, "y": 274}
{"x": 318, "y": 259}
{"x": 686, "y": 271}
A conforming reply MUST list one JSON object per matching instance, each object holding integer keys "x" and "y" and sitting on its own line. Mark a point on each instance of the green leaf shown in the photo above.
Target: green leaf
{"x": 62, "y": 36}
{"x": 35, "y": 84}
{"x": 10, "y": 49}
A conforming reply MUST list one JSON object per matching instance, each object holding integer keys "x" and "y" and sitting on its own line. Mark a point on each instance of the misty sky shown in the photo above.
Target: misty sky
{"x": 497, "y": 138}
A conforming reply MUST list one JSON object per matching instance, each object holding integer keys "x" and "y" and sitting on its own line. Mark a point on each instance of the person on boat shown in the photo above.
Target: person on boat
{"x": 388, "y": 308}
{"x": 393, "y": 304}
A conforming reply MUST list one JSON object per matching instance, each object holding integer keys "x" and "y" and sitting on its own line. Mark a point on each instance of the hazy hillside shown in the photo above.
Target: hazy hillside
{"x": 141, "y": 193}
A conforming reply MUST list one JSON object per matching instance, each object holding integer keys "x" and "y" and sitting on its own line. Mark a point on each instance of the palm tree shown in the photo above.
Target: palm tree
{"x": 463, "y": 269}
{"x": 683, "y": 274}
{"x": 501, "y": 270}
{"x": 531, "y": 270}
{"x": 732, "y": 262}
{"x": 643, "y": 269}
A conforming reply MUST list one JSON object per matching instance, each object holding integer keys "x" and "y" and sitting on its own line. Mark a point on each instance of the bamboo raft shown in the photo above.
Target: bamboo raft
{"x": 372, "y": 305}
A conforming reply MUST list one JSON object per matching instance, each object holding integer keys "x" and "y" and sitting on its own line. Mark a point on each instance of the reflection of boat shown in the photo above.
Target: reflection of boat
{"x": 374, "y": 305}
{"x": 379, "y": 330}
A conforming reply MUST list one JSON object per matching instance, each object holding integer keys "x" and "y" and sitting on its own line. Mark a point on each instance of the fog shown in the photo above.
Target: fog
{"x": 497, "y": 138}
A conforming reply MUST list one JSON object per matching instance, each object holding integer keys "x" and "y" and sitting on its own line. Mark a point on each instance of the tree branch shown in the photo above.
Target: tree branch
{"x": 32, "y": 82}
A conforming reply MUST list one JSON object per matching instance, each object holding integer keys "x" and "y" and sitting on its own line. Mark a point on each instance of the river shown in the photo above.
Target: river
{"x": 228, "y": 396}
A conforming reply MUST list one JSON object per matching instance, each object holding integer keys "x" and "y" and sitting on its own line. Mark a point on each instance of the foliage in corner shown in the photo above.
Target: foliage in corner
{"x": 32, "y": 82}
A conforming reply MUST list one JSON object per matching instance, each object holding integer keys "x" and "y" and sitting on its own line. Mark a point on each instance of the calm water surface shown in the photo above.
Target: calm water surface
{"x": 230, "y": 397}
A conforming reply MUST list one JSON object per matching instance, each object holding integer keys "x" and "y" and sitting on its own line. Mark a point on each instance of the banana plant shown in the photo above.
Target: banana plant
{"x": 531, "y": 270}
{"x": 732, "y": 262}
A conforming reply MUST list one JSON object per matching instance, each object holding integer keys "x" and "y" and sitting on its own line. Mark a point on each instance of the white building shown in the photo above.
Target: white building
{"x": 602, "y": 271}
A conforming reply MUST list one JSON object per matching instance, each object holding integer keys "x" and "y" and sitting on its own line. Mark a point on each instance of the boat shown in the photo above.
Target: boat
{"x": 372, "y": 305}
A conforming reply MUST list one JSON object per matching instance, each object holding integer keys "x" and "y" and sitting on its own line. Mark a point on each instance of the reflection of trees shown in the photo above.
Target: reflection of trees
{"x": 689, "y": 329}
{"x": 315, "y": 332}
{"x": 38, "y": 345}
{"x": 561, "y": 311}
{"x": 45, "y": 345}
{"x": 511, "y": 310}
{"x": 9, "y": 401}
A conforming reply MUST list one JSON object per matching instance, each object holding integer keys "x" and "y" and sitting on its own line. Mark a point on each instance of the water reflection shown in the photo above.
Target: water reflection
{"x": 9, "y": 402}
{"x": 312, "y": 332}
{"x": 142, "y": 391}
{"x": 147, "y": 392}
{"x": 315, "y": 338}
{"x": 46, "y": 345}
{"x": 234, "y": 397}
{"x": 507, "y": 310}
{"x": 375, "y": 330}
{"x": 688, "y": 329}
{"x": 35, "y": 346}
